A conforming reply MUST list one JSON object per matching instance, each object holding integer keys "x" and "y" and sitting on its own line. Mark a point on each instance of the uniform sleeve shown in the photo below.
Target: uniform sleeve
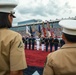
{"x": 17, "y": 54}
{"x": 48, "y": 69}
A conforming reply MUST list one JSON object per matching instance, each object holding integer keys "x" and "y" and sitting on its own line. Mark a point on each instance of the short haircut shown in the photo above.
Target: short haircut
{"x": 4, "y": 21}
{"x": 70, "y": 38}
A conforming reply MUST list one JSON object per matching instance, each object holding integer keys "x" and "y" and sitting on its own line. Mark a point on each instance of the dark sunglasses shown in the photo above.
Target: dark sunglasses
{"x": 12, "y": 14}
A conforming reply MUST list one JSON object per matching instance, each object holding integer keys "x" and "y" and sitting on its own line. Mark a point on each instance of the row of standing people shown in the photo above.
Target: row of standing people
{"x": 44, "y": 42}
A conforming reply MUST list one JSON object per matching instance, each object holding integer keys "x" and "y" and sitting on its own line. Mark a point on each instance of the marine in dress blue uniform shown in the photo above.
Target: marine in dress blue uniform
{"x": 51, "y": 42}
{"x": 46, "y": 43}
{"x": 33, "y": 42}
{"x": 56, "y": 42}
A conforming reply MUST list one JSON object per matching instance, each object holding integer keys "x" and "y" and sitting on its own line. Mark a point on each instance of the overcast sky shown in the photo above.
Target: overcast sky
{"x": 44, "y": 9}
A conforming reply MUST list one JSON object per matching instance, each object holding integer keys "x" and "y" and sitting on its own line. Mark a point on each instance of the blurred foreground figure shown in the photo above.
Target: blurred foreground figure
{"x": 12, "y": 57}
{"x": 63, "y": 61}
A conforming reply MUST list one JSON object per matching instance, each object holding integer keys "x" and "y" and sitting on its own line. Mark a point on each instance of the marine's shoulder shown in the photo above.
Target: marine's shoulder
{"x": 13, "y": 32}
{"x": 56, "y": 55}
{"x": 59, "y": 51}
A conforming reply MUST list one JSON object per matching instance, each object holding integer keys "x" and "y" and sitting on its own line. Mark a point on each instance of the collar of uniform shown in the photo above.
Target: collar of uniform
{"x": 69, "y": 46}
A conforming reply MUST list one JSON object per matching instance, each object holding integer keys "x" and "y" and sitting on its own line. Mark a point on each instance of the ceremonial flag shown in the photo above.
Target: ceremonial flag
{"x": 39, "y": 29}
{"x": 52, "y": 34}
{"x": 44, "y": 30}
{"x": 49, "y": 33}
{"x": 48, "y": 26}
{"x": 27, "y": 30}
{"x": 30, "y": 30}
{"x": 33, "y": 30}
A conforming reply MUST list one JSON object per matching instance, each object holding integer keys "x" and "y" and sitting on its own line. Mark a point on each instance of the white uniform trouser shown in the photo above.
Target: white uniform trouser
{"x": 43, "y": 46}
{"x": 38, "y": 45}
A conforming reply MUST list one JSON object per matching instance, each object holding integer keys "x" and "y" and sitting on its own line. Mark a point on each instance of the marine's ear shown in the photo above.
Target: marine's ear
{"x": 63, "y": 37}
